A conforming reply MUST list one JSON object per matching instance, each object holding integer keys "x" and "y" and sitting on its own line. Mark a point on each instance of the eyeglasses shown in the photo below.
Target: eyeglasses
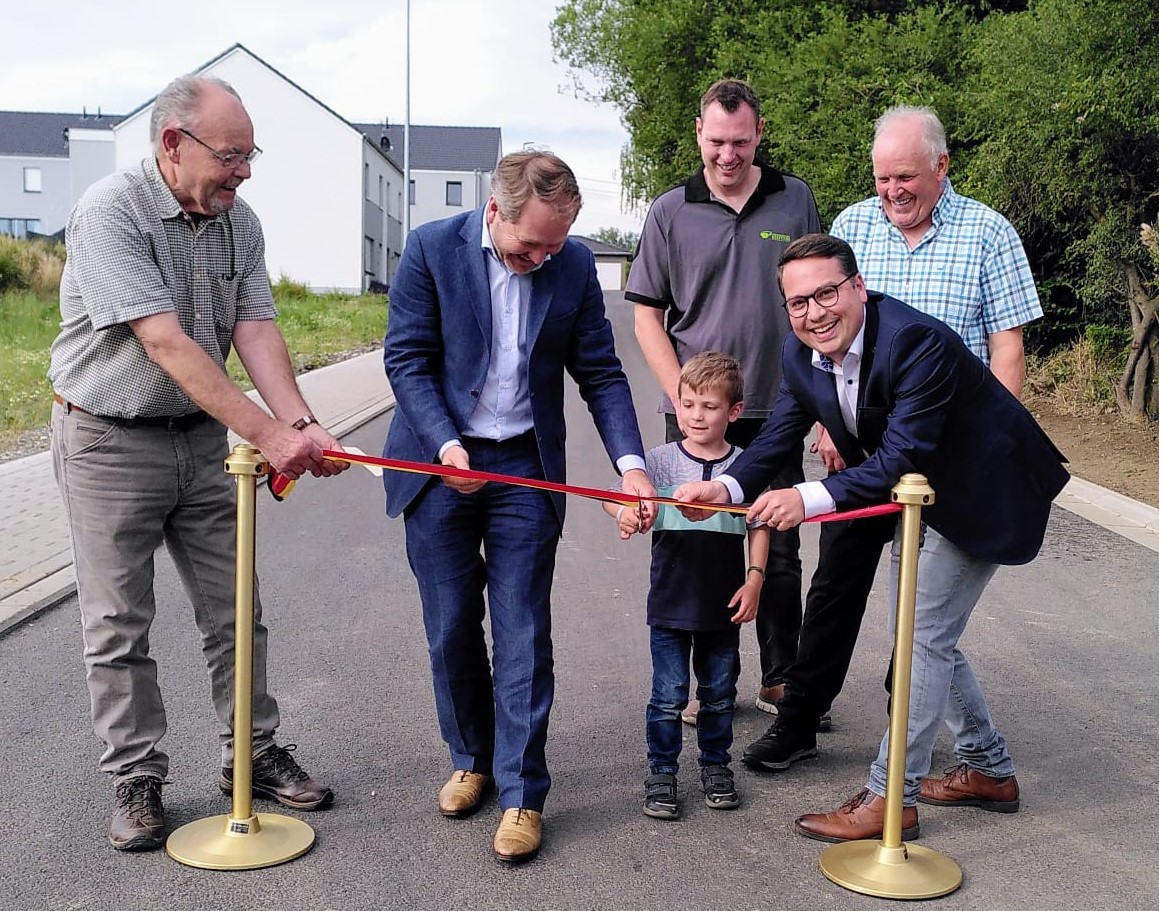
{"x": 230, "y": 160}
{"x": 825, "y": 296}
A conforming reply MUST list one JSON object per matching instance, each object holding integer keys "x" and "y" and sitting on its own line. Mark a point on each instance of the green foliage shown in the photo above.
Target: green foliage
{"x": 1109, "y": 344}
{"x": 32, "y": 264}
{"x": 625, "y": 240}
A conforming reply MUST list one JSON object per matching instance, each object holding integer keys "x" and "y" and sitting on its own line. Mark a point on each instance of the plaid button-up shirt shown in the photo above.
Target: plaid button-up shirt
{"x": 134, "y": 252}
{"x": 969, "y": 270}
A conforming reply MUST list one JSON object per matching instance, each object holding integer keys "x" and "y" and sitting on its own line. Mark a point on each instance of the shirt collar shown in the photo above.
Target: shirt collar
{"x": 856, "y": 349}
{"x": 696, "y": 187}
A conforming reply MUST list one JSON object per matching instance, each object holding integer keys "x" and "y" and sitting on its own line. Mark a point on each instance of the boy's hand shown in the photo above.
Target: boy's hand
{"x": 747, "y": 599}
{"x": 629, "y": 521}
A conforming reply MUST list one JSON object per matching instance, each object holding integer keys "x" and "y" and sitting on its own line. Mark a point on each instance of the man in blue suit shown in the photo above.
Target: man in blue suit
{"x": 487, "y": 310}
{"x": 900, "y": 392}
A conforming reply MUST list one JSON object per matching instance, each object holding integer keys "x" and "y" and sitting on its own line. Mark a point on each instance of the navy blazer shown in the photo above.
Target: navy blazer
{"x": 925, "y": 404}
{"x": 438, "y": 346}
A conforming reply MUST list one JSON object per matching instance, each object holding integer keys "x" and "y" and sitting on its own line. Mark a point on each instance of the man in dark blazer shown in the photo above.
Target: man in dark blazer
{"x": 900, "y": 392}
{"x": 487, "y": 310}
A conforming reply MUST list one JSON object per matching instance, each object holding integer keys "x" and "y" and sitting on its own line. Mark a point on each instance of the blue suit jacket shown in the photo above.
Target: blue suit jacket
{"x": 438, "y": 346}
{"x": 927, "y": 404}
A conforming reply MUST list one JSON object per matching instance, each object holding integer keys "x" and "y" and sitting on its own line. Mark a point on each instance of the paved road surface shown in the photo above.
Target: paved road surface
{"x": 1066, "y": 648}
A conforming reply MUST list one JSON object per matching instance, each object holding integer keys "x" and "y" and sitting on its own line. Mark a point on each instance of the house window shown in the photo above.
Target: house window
{"x": 381, "y": 198}
{"x": 365, "y": 180}
{"x": 411, "y": 193}
{"x": 454, "y": 192}
{"x": 32, "y": 180}
{"x": 20, "y": 227}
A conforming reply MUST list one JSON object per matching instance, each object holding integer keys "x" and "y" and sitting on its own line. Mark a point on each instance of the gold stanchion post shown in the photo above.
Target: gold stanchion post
{"x": 889, "y": 868}
{"x": 242, "y": 840}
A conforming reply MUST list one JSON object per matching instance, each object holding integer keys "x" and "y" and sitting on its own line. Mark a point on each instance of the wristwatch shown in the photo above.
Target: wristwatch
{"x": 303, "y": 422}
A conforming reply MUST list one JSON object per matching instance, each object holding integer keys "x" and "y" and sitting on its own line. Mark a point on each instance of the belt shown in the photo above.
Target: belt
{"x": 168, "y": 422}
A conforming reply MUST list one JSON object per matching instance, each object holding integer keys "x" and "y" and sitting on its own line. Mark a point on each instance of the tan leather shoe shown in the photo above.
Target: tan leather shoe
{"x": 463, "y": 792}
{"x": 962, "y": 786}
{"x": 518, "y": 836}
{"x": 861, "y": 816}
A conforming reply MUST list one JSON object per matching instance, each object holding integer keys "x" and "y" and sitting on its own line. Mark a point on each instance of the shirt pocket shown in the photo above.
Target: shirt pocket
{"x": 224, "y": 289}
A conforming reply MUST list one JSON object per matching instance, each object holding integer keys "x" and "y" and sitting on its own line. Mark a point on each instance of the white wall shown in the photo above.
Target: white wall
{"x": 307, "y": 186}
{"x": 610, "y": 274}
{"x": 91, "y": 155}
{"x": 431, "y": 193}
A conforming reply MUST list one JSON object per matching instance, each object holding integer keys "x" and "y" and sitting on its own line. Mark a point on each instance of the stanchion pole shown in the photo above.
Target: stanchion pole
{"x": 242, "y": 840}
{"x": 889, "y": 868}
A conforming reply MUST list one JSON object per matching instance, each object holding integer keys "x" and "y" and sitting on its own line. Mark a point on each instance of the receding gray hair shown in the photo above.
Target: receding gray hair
{"x": 933, "y": 133}
{"x": 177, "y": 103}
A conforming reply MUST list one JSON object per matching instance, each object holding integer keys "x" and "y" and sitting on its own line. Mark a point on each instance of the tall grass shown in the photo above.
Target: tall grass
{"x": 319, "y": 329}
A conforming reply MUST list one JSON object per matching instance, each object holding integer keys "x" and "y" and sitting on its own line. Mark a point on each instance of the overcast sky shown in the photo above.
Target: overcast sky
{"x": 473, "y": 63}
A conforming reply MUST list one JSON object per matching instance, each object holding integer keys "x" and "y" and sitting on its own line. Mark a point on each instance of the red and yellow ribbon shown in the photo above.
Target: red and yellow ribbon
{"x": 280, "y": 487}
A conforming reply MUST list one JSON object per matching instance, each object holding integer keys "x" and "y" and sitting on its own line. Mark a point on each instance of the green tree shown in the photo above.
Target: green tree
{"x": 625, "y": 240}
{"x": 1066, "y": 120}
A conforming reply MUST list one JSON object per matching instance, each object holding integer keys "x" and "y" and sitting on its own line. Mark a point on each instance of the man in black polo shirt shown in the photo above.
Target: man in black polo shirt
{"x": 704, "y": 278}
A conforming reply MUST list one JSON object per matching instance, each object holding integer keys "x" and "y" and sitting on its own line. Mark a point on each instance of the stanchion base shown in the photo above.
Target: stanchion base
{"x": 910, "y": 871}
{"x": 225, "y": 843}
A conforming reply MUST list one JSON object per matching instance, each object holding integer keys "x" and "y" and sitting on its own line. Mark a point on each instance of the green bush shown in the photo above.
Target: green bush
{"x": 1109, "y": 344}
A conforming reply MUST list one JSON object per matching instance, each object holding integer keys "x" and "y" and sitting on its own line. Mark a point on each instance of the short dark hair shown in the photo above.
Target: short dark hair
{"x": 714, "y": 371}
{"x": 730, "y": 94}
{"x": 818, "y": 246}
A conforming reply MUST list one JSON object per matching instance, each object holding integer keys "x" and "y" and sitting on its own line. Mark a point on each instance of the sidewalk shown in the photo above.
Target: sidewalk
{"x": 36, "y": 563}
{"x": 36, "y": 566}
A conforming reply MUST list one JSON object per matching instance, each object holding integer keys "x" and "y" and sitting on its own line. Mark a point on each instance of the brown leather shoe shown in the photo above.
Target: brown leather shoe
{"x": 861, "y": 816}
{"x": 518, "y": 836}
{"x": 769, "y": 696}
{"x": 463, "y": 793}
{"x": 138, "y": 821}
{"x": 962, "y": 786}
{"x": 276, "y": 775}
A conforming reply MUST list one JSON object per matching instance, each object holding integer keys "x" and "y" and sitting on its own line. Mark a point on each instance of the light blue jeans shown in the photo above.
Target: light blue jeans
{"x": 942, "y": 685}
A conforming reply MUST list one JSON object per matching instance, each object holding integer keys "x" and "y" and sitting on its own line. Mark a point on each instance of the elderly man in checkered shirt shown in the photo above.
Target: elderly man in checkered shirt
{"x": 165, "y": 272}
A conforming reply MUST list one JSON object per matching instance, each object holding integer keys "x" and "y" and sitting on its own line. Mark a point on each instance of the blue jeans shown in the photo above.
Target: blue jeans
{"x": 716, "y": 660}
{"x": 492, "y": 714}
{"x": 942, "y": 684}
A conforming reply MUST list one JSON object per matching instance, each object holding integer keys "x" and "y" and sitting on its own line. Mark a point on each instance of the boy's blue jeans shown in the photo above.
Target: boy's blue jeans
{"x": 715, "y": 657}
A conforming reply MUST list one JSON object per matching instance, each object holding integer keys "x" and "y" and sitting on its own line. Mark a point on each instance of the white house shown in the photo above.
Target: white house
{"x": 329, "y": 192}
{"x": 611, "y": 262}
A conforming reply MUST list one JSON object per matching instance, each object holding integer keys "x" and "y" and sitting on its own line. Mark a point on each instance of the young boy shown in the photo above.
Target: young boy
{"x": 702, "y": 589}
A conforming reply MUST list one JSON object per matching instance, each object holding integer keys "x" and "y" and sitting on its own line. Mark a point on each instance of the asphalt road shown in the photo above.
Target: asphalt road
{"x": 1065, "y": 648}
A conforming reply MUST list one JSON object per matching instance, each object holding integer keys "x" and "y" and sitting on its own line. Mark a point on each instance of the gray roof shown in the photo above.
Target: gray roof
{"x": 435, "y": 148}
{"x": 35, "y": 134}
{"x": 598, "y": 246}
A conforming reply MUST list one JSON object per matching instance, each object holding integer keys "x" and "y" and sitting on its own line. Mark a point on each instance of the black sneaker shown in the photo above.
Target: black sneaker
{"x": 660, "y": 797}
{"x": 138, "y": 820}
{"x": 779, "y": 747}
{"x": 719, "y": 787}
{"x": 277, "y": 776}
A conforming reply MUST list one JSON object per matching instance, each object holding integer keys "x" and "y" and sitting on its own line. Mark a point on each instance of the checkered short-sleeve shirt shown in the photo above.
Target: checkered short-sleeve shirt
{"x": 969, "y": 270}
{"x": 132, "y": 252}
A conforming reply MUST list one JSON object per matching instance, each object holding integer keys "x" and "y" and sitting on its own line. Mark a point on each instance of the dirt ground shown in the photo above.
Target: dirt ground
{"x": 1106, "y": 450}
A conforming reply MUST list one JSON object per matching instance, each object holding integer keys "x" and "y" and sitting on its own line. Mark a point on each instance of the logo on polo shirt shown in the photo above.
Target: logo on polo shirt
{"x": 773, "y": 235}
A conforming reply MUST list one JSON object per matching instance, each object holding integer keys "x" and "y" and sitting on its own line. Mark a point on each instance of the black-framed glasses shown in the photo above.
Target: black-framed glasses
{"x": 825, "y": 296}
{"x": 228, "y": 160}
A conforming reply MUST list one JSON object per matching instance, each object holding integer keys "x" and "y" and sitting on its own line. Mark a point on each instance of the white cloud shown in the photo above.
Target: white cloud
{"x": 472, "y": 64}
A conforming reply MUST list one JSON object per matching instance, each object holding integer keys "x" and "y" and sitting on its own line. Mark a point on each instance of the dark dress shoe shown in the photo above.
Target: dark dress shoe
{"x": 779, "y": 747}
{"x": 276, "y": 776}
{"x": 962, "y": 786}
{"x": 138, "y": 820}
{"x": 860, "y": 817}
